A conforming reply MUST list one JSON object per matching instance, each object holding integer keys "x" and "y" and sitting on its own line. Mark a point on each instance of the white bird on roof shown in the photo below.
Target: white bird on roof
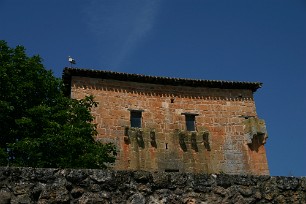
{"x": 71, "y": 60}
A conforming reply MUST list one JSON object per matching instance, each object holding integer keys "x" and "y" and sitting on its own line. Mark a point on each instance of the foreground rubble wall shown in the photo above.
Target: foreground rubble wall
{"x": 31, "y": 185}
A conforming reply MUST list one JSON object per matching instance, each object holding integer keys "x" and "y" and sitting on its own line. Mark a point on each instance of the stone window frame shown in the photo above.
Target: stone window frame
{"x": 190, "y": 121}
{"x": 133, "y": 122}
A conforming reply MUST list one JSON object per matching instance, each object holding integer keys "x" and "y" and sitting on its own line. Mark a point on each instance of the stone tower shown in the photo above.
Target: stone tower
{"x": 175, "y": 124}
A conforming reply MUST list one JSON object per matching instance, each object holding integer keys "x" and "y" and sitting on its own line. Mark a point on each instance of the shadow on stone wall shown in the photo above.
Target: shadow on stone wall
{"x": 29, "y": 185}
{"x": 165, "y": 90}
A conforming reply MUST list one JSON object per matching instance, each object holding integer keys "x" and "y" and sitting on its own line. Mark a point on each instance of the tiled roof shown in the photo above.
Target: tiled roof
{"x": 68, "y": 72}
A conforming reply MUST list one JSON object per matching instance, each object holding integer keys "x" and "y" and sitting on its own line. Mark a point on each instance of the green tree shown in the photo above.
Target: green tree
{"x": 39, "y": 126}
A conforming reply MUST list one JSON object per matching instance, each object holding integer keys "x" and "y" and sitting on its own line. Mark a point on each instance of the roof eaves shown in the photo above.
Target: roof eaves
{"x": 68, "y": 72}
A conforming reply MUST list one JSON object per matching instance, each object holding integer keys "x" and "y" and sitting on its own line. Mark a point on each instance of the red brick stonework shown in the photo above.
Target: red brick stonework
{"x": 228, "y": 137}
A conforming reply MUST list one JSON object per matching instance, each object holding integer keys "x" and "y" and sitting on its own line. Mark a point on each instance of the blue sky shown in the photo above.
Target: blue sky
{"x": 240, "y": 40}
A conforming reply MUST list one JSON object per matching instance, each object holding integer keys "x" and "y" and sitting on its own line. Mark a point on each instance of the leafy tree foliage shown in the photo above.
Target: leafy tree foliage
{"x": 39, "y": 126}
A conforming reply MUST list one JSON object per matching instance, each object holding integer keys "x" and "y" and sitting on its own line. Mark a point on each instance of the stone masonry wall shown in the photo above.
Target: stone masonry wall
{"x": 219, "y": 144}
{"x": 87, "y": 186}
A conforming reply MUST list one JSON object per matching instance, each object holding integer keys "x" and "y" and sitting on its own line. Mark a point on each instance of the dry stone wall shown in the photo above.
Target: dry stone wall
{"x": 30, "y": 185}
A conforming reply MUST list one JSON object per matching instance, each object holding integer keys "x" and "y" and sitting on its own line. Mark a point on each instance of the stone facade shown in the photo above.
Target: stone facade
{"x": 87, "y": 186}
{"x": 225, "y": 134}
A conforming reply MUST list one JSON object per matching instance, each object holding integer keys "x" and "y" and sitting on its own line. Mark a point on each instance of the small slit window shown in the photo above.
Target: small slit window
{"x": 172, "y": 170}
{"x": 190, "y": 121}
{"x": 135, "y": 118}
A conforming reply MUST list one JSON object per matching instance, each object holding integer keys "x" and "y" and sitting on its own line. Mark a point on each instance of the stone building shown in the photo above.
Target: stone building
{"x": 175, "y": 124}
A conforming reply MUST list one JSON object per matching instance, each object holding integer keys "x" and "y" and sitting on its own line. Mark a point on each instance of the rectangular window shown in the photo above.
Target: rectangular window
{"x": 190, "y": 121}
{"x": 136, "y": 118}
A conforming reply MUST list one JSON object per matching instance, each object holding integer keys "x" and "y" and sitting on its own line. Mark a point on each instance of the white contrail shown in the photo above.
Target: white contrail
{"x": 119, "y": 26}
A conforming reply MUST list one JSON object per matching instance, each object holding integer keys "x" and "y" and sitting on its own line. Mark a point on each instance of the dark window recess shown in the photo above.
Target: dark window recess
{"x": 190, "y": 122}
{"x": 136, "y": 119}
{"x": 172, "y": 170}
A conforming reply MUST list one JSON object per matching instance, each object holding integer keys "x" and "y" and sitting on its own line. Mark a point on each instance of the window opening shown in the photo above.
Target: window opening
{"x": 136, "y": 118}
{"x": 172, "y": 170}
{"x": 190, "y": 121}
